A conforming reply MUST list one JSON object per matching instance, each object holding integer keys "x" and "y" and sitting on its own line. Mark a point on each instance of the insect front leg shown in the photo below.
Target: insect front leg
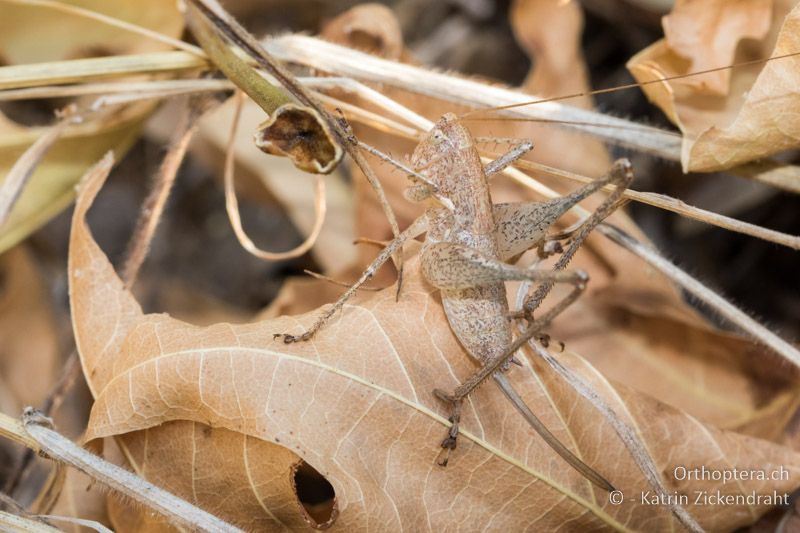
{"x": 416, "y": 228}
{"x": 519, "y": 150}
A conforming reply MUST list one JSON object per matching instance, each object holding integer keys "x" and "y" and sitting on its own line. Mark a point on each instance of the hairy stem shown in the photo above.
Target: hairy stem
{"x": 36, "y": 427}
{"x": 709, "y": 298}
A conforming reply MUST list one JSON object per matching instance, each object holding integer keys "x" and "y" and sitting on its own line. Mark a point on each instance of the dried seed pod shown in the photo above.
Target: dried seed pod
{"x": 302, "y": 135}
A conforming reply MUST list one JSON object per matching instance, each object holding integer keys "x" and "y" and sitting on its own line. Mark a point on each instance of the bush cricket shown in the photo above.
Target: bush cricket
{"x": 468, "y": 241}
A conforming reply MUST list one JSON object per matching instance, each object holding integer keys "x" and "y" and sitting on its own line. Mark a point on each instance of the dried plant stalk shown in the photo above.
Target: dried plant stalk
{"x": 156, "y": 200}
{"x": 267, "y": 96}
{"x": 21, "y": 524}
{"x": 23, "y": 168}
{"x": 12, "y": 429}
{"x": 627, "y": 435}
{"x": 677, "y": 206}
{"x": 727, "y": 310}
{"x": 342, "y": 61}
{"x": 657, "y": 200}
{"x": 60, "y": 448}
{"x": 81, "y": 70}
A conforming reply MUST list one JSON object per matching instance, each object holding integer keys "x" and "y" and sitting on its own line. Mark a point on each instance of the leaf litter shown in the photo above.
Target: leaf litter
{"x": 732, "y": 116}
{"x": 724, "y": 388}
{"x": 374, "y": 379}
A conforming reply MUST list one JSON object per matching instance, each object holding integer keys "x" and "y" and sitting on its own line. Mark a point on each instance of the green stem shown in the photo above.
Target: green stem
{"x": 266, "y": 95}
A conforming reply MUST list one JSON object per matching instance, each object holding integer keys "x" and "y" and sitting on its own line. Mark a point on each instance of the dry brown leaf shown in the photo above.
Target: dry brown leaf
{"x": 723, "y": 379}
{"x": 23, "y": 29}
{"x": 29, "y": 355}
{"x": 550, "y": 31}
{"x": 302, "y": 294}
{"x": 224, "y": 409}
{"x": 680, "y": 360}
{"x": 720, "y": 378}
{"x": 751, "y": 118}
{"x": 706, "y": 35}
{"x": 370, "y": 28}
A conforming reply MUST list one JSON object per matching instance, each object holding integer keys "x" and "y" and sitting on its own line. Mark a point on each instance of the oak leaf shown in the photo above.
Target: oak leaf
{"x": 224, "y": 414}
{"x": 726, "y": 119}
{"x": 706, "y": 35}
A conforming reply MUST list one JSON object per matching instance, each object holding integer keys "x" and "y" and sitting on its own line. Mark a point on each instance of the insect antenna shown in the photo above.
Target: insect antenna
{"x": 628, "y": 86}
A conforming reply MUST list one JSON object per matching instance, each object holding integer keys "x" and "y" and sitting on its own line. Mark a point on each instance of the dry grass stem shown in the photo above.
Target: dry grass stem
{"x": 153, "y": 206}
{"x": 23, "y": 168}
{"x": 725, "y": 309}
{"x": 132, "y": 97}
{"x": 636, "y": 447}
{"x": 232, "y": 204}
{"x": 359, "y": 89}
{"x": 91, "y": 524}
{"x": 12, "y": 429}
{"x": 82, "y": 70}
{"x": 674, "y": 205}
{"x": 373, "y": 120}
{"x": 50, "y": 492}
{"x": 657, "y": 200}
{"x": 347, "y": 62}
{"x": 20, "y": 524}
{"x": 342, "y": 61}
{"x": 157, "y": 87}
{"x": 60, "y": 448}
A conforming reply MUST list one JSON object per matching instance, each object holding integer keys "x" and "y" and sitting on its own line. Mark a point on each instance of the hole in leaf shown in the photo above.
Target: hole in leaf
{"x": 315, "y": 494}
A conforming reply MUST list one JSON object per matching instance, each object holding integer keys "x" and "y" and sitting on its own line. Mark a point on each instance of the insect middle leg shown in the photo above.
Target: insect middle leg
{"x": 523, "y": 226}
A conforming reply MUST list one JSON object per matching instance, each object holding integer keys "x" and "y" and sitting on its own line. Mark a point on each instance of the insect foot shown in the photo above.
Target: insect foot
{"x": 548, "y": 248}
{"x": 621, "y": 172}
{"x": 581, "y": 279}
{"x": 451, "y": 440}
{"x": 289, "y": 339}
